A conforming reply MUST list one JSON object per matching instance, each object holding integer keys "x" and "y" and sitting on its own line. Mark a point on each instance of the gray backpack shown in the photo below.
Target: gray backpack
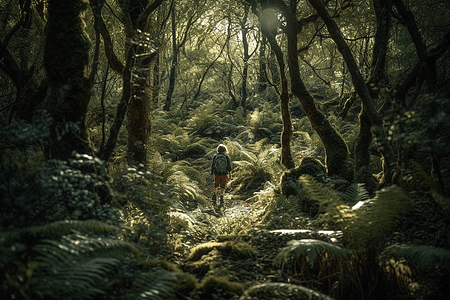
{"x": 221, "y": 163}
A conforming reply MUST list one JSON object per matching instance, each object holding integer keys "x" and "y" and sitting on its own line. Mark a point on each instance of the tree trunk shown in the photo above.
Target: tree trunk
{"x": 427, "y": 69}
{"x": 136, "y": 18}
{"x": 138, "y": 114}
{"x": 286, "y": 135}
{"x": 174, "y": 62}
{"x": 335, "y": 147}
{"x": 377, "y": 122}
{"x": 262, "y": 66}
{"x": 374, "y": 83}
{"x": 66, "y": 56}
{"x": 244, "y": 31}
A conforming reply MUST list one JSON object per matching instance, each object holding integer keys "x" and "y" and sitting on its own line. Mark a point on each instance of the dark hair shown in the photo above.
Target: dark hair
{"x": 222, "y": 148}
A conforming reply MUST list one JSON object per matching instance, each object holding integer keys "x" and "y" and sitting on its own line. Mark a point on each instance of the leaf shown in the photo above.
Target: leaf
{"x": 311, "y": 250}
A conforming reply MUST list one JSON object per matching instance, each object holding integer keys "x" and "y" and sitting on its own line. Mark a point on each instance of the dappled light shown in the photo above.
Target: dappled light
{"x": 224, "y": 149}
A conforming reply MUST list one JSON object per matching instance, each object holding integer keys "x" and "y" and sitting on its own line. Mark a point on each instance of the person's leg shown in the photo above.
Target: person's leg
{"x": 222, "y": 183}
{"x": 216, "y": 187}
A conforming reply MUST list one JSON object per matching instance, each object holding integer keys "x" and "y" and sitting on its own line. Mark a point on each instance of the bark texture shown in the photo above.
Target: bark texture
{"x": 360, "y": 85}
{"x": 335, "y": 147}
{"x": 66, "y": 55}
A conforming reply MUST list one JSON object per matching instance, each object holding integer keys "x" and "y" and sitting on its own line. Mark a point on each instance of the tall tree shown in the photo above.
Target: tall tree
{"x": 137, "y": 19}
{"x": 375, "y": 82}
{"x": 335, "y": 147}
{"x": 269, "y": 30}
{"x": 244, "y": 32}
{"x": 384, "y": 147}
{"x": 66, "y": 58}
{"x": 173, "y": 66}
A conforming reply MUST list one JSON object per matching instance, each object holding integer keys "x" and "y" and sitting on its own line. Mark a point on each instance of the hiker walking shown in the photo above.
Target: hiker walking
{"x": 220, "y": 170}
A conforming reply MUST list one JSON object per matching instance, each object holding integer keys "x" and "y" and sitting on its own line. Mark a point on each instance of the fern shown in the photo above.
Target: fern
{"x": 309, "y": 249}
{"x": 61, "y": 228}
{"x": 365, "y": 224}
{"x": 354, "y": 193}
{"x": 254, "y": 165}
{"x": 277, "y": 288}
{"x": 65, "y": 279}
{"x": 75, "y": 244}
{"x": 421, "y": 256}
{"x": 157, "y": 285}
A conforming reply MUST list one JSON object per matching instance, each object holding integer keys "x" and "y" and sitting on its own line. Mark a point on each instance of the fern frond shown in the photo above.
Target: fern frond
{"x": 277, "y": 288}
{"x": 421, "y": 256}
{"x": 309, "y": 249}
{"x": 60, "y": 228}
{"x": 354, "y": 193}
{"x": 66, "y": 278}
{"x": 158, "y": 284}
{"x": 76, "y": 244}
{"x": 378, "y": 215}
{"x": 335, "y": 209}
{"x": 368, "y": 221}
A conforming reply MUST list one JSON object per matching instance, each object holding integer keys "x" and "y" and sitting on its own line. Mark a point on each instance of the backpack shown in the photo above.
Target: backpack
{"x": 221, "y": 164}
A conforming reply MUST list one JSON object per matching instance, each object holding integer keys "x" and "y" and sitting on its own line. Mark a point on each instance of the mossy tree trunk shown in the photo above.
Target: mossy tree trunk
{"x": 286, "y": 135}
{"x": 66, "y": 56}
{"x": 244, "y": 32}
{"x": 143, "y": 94}
{"x": 383, "y": 145}
{"x": 335, "y": 147}
{"x": 375, "y": 82}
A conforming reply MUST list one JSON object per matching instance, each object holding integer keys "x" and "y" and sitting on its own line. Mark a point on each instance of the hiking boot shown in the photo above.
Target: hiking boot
{"x": 213, "y": 199}
{"x": 221, "y": 202}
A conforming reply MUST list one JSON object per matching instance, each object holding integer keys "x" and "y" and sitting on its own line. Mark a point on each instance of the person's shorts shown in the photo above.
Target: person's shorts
{"x": 221, "y": 180}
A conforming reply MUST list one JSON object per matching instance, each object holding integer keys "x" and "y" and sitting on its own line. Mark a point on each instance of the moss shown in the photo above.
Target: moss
{"x": 240, "y": 249}
{"x": 208, "y": 262}
{"x": 243, "y": 250}
{"x": 203, "y": 249}
{"x": 289, "y": 180}
{"x": 149, "y": 264}
{"x": 185, "y": 281}
{"x": 213, "y": 284}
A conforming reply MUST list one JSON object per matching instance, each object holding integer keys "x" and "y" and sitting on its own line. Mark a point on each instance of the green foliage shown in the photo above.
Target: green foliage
{"x": 213, "y": 284}
{"x": 422, "y": 257}
{"x": 238, "y": 248}
{"x": 20, "y": 133}
{"x": 367, "y": 222}
{"x": 273, "y": 289}
{"x": 59, "y": 190}
{"x": 254, "y": 165}
{"x": 60, "y": 262}
{"x": 311, "y": 250}
{"x": 203, "y": 119}
{"x": 282, "y": 212}
{"x": 61, "y": 228}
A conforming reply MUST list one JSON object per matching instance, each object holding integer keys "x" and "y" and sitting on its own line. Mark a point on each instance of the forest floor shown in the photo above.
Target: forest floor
{"x": 248, "y": 259}
{"x": 219, "y": 259}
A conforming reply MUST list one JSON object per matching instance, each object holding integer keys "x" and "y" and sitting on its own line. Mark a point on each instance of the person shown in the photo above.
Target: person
{"x": 220, "y": 170}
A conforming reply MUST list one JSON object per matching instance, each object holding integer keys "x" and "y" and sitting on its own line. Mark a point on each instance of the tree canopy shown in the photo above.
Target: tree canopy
{"x": 334, "y": 112}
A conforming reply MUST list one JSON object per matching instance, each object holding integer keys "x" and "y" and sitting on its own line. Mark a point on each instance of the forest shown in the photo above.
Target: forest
{"x": 334, "y": 113}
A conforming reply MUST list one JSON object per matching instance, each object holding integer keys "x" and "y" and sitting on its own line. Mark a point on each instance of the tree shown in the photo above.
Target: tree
{"x": 66, "y": 57}
{"x": 136, "y": 19}
{"x": 24, "y": 65}
{"x": 384, "y": 147}
{"x": 375, "y": 82}
{"x": 335, "y": 147}
{"x": 269, "y": 30}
